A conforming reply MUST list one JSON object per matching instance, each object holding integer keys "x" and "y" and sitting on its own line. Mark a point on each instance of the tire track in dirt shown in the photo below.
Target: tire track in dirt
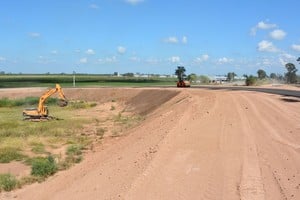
{"x": 201, "y": 157}
{"x": 280, "y": 158}
{"x": 225, "y": 173}
{"x": 251, "y": 185}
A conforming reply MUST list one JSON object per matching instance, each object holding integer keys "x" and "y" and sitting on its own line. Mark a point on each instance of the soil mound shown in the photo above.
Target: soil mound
{"x": 147, "y": 101}
{"x": 101, "y": 95}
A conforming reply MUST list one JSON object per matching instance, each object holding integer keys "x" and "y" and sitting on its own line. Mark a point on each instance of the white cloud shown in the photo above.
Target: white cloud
{"x": 94, "y": 6}
{"x": 2, "y": 59}
{"x": 174, "y": 59}
{"x": 278, "y": 34}
{"x": 152, "y": 61}
{"x": 296, "y": 47}
{"x": 171, "y": 39}
{"x": 224, "y": 60}
{"x": 135, "y": 59}
{"x": 112, "y": 59}
{"x": 45, "y": 60}
{"x": 201, "y": 58}
{"x": 54, "y": 52}
{"x": 286, "y": 58}
{"x": 184, "y": 40}
{"x": 34, "y": 35}
{"x": 134, "y": 2}
{"x": 266, "y": 46}
{"x": 175, "y": 40}
{"x": 266, "y": 62}
{"x": 282, "y": 61}
{"x": 262, "y": 25}
{"x": 121, "y": 50}
{"x": 90, "y": 52}
{"x": 83, "y": 60}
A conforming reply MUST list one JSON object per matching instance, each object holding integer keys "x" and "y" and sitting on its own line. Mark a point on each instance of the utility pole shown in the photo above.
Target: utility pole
{"x": 74, "y": 84}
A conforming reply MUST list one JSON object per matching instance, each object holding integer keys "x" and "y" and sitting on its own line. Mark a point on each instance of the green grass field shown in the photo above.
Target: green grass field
{"x": 11, "y": 81}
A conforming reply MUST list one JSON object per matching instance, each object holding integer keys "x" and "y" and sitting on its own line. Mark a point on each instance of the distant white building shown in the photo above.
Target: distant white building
{"x": 218, "y": 78}
{"x": 117, "y": 74}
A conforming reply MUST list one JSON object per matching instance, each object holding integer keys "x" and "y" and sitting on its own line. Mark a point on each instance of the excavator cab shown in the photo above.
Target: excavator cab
{"x": 183, "y": 83}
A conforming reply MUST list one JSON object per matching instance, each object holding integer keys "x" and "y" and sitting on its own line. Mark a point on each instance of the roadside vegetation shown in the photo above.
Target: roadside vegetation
{"x": 39, "y": 145}
{"x": 290, "y": 77}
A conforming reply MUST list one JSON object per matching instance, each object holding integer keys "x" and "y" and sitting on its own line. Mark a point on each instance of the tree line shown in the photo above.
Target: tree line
{"x": 289, "y": 77}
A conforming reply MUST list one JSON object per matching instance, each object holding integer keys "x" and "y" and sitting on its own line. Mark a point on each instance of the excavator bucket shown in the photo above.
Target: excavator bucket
{"x": 62, "y": 103}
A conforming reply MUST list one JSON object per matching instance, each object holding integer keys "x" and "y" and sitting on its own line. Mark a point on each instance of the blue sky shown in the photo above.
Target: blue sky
{"x": 148, "y": 36}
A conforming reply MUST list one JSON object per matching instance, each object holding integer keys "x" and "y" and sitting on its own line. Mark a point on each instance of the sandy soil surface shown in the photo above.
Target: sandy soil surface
{"x": 194, "y": 144}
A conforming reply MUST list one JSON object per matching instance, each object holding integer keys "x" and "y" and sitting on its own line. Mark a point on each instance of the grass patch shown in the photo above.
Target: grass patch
{"x": 38, "y": 147}
{"x": 27, "y": 101}
{"x": 7, "y": 182}
{"x": 26, "y": 180}
{"x": 73, "y": 155}
{"x": 43, "y": 167}
{"x": 81, "y": 104}
{"x": 65, "y": 138}
{"x": 127, "y": 121}
{"x": 8, "y": 154}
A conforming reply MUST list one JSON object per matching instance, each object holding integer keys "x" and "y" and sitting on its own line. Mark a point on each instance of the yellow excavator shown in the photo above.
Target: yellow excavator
{"x": 41, "y": 112}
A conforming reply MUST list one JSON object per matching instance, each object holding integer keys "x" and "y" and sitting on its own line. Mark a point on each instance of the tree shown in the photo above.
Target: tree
{"x": 230, "y": 76}
{"x": 273, "y": 76}
{"x": 204, "y": 79}
{"x": 261, "y": 74}
{"x": 180, "y": 73}
{"x": 291, "y": 76}
{"x": 250, "y": 80}
{"x": 192, "y": 77}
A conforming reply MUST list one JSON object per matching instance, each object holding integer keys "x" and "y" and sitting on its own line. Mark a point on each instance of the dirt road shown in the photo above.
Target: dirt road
{"x": 201, "y": 144}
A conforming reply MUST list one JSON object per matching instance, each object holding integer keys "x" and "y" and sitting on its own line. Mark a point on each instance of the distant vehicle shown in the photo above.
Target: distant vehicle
{"x": 41, "y": 112}
{"x": 183, "y": 83}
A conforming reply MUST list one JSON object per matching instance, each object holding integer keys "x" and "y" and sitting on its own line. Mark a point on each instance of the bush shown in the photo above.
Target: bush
{"x": 43, "y": 167}
{"x": 251, "y": 80}
{"x": 7, "y": 182}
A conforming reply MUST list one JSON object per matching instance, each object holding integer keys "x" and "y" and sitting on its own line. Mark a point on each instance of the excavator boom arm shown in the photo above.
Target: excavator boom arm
{"x": 47, "y": 94}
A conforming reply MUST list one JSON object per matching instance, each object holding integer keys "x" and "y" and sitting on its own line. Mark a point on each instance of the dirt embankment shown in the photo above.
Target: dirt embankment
{"x": 198, "y": 144}
{"x": 141, "y": 101}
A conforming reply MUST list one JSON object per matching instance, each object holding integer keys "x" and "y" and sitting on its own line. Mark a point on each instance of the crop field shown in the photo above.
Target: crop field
{"x": 81, "y": 80}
